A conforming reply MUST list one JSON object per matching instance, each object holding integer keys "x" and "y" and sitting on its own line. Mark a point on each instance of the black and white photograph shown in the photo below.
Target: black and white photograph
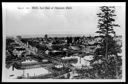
{"x": 63, "y": 42}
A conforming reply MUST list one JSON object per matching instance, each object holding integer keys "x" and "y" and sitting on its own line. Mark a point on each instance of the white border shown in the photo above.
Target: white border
{"x": 4, "y": 4}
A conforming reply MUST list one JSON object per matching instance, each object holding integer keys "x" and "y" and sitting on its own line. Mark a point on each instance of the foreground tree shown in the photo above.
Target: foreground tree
{"x": 108, "y": 45}
{"x": 106, "y": 25}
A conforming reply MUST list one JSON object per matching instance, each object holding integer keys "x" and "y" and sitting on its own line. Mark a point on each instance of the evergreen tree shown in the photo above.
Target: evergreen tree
{"x": 106, "y": 31}
{"x": 106, "y": 25}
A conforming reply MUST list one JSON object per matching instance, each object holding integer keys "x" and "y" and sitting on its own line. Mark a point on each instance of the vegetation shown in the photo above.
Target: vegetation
{"x": 108, "y": 52}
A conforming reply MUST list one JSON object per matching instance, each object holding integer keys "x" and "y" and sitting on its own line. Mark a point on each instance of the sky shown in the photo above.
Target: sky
{"x": 80, "y": 18}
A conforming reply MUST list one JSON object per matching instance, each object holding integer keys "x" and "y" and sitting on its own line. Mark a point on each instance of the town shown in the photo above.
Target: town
{"x": 71, "y": 57}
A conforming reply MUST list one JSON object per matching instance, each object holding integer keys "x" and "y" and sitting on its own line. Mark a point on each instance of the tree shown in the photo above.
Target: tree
{"x": 46, "y": 36}
{"x": 106, "y": 31}
{"x": 106, "y": 24}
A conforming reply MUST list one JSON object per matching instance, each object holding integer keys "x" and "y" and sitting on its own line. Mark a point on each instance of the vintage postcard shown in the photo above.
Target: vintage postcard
{"x": 63, "y": 42}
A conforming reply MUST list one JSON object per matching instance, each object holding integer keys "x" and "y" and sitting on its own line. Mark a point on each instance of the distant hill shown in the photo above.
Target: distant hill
{"x": 58, "y": 35}
{"x": 52, "y": 35}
